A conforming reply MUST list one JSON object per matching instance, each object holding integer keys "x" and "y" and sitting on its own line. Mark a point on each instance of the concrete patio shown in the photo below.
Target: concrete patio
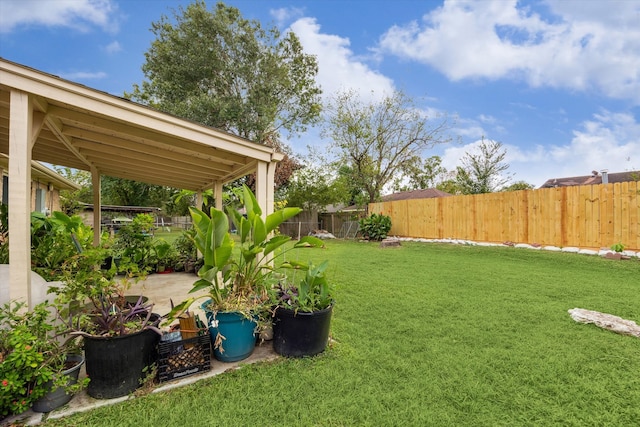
{"x": 160, "y": 289}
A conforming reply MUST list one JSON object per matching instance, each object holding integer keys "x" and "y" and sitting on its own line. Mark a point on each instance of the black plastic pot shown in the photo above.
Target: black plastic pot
{"x": 302, "y": 333}
{"x": 115, "y": 365}
{"x": 58, "y": 397}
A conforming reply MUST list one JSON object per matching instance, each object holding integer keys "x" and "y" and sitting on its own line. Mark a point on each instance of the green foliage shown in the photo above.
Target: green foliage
{"x": 375, "y": 227}
{"x": 376, "y": 140}
{"x": 238, "y": 279}
{"x": 96, "y": 300}
{"x": 70, "y": 199}
{"x": 449, "y": 186}
{"x": 55, "y": 239}
{"x": 617, "y": 247}
{"x": 313, "y": 188}
{"x": 312, "y": 293}
{"x": 517, "y": 186}
{"x": 31, "y": 354}
{"x": 133, "y": 246}
{"x": 165, "y": 254}
{"x": 186, "y": 250}
{"x": 483, "y": 172}
{"x": 221, "y": 70}
{"x": 125, "y": 192}
{"x": 86, "y": 276}
{"x": 420, "y": 173}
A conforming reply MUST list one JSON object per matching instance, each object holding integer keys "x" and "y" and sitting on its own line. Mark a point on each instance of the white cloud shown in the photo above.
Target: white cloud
{"x": 79, "y": 15}
{"x": 285, "y": 14}
{"x": 338, "y": 68}
{"x": 113, "y": 47}
{"x": 608, "y": 141}
{"x": 584, "y": 45}
{"x": 82, "y": 75}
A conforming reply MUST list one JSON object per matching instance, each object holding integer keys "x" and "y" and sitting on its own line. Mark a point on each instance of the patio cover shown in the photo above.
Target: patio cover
{"x": 52, "y": 120}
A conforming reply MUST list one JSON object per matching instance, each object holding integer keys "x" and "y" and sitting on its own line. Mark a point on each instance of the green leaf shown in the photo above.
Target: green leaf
{"x": 250, "y": 203}
{"x": 259, "y": 231}
{"x": 275, "y": 242}
{"x": 278, "y": 217}
{"x": 309, "y": 241}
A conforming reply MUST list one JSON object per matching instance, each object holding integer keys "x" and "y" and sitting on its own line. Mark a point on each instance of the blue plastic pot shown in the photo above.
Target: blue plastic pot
{"x": 237, "y": 333}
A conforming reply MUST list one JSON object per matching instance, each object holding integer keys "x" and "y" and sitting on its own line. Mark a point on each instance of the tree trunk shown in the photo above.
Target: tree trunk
{"x": 606, "y": 321}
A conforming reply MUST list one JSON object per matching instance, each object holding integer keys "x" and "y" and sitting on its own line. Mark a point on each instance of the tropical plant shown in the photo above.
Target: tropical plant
{"x": 375, "y": 226}
{"x": 165, "y": 254}
{"x": 33, "y": 350}
{"x": 238, "y": 279}
{"x": 312, "y": 293}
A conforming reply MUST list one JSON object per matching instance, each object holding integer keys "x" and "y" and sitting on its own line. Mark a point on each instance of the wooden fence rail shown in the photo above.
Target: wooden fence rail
{"x": 587, "y": 216}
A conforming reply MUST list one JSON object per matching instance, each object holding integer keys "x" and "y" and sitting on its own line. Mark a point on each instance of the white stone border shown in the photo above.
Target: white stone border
{"x": 570, "y": 249}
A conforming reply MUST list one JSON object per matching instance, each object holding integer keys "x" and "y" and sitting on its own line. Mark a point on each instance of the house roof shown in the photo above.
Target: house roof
{"x": 593, "y": 179}
{"x": 84, "y": 128}
{"x": 42, "y": 174}
{"x": 428, "y": 193}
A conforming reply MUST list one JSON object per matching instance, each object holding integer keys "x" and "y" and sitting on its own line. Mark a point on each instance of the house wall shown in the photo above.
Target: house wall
{"x": 51, "y": 194}
{"x": 587, "y": 216}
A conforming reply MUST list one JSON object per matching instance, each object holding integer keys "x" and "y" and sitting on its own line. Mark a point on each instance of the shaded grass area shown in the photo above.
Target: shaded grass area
{"x": 437, "y": 335}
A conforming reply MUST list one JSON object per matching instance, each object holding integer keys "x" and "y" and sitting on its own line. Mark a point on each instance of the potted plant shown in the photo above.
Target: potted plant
{"x": 186, "y": 249}
{"x": 39, "y": 361}
{"x": 165, "y": 255}
{"x": 120, "y": 335}
{"x": 302, "y": 313}
{"x": 238, "y": 279}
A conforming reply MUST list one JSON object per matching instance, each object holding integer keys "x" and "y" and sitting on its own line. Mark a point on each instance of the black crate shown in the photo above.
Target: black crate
{"x": 182, "y": 358}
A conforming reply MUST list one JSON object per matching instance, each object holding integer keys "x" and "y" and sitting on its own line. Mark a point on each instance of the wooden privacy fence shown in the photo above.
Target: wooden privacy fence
{"x": 587, "y": 216}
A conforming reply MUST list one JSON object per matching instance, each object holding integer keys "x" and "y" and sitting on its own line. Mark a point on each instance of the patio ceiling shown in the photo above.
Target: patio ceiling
{"x": 84, "y": 129}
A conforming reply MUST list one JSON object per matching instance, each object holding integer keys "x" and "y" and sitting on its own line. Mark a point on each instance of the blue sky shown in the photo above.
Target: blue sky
{"x": 557, "y": 81}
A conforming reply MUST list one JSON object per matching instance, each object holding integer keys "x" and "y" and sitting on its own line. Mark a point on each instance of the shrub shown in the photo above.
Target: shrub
{"x": 375, "y": 227}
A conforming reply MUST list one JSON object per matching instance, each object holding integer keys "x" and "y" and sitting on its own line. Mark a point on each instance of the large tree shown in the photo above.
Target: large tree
{"x": 483, "y": 171}
{"x": 419, "y": 173}
{"x": 221, "y": 70}
{"x": 378, "y": 139}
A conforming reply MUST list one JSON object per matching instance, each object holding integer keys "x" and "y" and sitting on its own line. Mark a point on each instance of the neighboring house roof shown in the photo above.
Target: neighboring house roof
{"x": 428, "y": 193}
{"x": 593, "y": 179}
{"x": 334, "y": 208}
{"x": 42, "y": 174}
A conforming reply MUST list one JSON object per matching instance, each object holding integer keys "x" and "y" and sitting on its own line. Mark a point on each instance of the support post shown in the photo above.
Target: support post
{"x": 97, "y": 206}
{"x": 217, "y": 193}
{"x": 20, "y": 144}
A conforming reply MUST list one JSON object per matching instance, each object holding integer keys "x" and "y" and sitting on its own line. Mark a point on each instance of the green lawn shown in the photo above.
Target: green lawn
{"x": 168, "y": 233}
{"x": 435, "y": 335}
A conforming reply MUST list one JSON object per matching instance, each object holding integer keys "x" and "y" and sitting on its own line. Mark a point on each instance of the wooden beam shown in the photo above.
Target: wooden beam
{"x": 56, "y": 127}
